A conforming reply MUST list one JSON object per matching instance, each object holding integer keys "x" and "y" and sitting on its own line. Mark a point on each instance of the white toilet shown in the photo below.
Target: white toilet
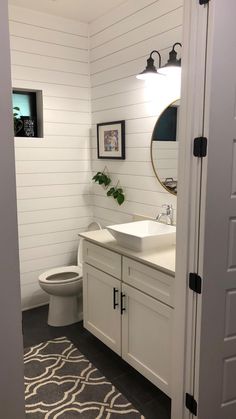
{"x": 64, "y": 285}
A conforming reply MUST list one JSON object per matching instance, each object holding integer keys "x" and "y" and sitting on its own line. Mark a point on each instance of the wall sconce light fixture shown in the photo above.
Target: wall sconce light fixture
{"x": 173, "y": 65}
{"x": 150, "y": 71}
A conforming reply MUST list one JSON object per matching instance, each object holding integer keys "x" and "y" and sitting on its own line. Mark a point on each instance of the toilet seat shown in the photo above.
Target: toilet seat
{"x": 75, "y": 271}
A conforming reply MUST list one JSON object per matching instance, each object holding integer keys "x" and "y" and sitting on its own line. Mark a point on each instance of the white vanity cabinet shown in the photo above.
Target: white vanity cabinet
{"x": 128, "y": 306}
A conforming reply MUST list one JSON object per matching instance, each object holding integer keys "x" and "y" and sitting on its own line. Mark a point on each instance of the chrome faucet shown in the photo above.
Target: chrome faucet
{"x": 166, "y": 216}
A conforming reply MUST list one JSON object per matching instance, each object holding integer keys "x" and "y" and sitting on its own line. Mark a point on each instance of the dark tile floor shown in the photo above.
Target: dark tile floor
{"x": 150, "y": 401}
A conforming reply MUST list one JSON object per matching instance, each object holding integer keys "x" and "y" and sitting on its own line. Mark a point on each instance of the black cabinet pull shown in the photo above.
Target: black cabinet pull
{"x": 115, "y": 304}
{"x": 122, "y": 308}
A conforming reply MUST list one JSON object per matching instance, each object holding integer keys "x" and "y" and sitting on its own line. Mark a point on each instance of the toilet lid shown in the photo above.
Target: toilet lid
{"x": 62, "y": 276}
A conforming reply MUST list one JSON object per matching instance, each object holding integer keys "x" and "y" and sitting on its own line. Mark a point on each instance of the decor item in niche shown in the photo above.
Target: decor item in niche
{"x": 117, "y": 193}
{"x": 29, "y": 127}
{"x": 102, "y": 178}
{"x": 111, "y": 140}
{"x": 18, "y": 124}
{"x": 30, "y": 103}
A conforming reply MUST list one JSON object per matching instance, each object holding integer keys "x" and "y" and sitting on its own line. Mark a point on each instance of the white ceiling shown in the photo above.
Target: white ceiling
{"x": 82, "y": 10}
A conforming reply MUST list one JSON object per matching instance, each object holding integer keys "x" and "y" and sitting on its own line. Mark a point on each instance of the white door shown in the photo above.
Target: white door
{"x": 146, "y": 336}
{"x": 216, "y": 368}
{"x": 101, "y": 305}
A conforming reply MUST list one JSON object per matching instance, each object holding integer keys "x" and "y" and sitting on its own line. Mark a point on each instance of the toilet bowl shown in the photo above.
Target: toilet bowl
{"x": 64, "y": 285}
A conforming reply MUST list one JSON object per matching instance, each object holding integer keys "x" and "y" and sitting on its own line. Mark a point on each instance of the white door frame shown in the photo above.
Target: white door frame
{"x": 188, "y": 202}
{"x": 11, "y": 348}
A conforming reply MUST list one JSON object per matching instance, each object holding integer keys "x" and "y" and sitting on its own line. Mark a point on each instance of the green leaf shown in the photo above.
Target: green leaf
{"x": 115, "y": 194}
{"x": 110, "y": 192}
{"x": 16, "y": 108}
{"x": 120, "y": 199}
{"x": 107, "y": 181}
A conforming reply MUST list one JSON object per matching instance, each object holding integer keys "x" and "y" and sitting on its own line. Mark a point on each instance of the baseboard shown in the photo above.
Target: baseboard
{"x": 35, "y": 306}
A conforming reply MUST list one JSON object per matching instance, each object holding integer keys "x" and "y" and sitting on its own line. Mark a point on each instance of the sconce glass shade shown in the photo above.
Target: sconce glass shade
{"x": 150, "y": 71}
{"x": 173, "y": 65}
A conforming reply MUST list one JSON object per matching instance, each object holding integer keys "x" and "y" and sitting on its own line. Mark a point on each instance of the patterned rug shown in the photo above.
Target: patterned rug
{"x": 61, "y": 383}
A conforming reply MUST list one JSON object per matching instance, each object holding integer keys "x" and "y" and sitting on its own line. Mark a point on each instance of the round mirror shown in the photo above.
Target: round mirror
{"x": 164, "y": 147}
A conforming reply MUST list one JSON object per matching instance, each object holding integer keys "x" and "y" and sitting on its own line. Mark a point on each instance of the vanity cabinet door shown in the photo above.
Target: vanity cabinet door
{"x": 146, "y": 336}
{"x": 101, "y": 299}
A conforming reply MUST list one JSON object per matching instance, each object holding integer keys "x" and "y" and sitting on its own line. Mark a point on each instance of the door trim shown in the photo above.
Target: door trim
{"x": 188, "y": 203}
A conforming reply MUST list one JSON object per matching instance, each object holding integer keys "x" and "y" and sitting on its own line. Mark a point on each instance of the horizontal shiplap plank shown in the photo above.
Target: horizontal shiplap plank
{"x": 54, "y": 226}
{"x": 52, "y": 89}
{"x": 30, "y": 31}
{"x": 35, "y": 60}
{"x": 43, "y": 240}
{"x": 164, "y": 41}
{"x": 134, "y": 21}
{"x": 66, "y": 104}
{"x": 51, "y": 166}
{"x": 51, "y": 179}
{"x": 47, "y": 49}
{"x": 49, "y": 21}
{"x": 148, "y": 198}
{"x": 133, "y": 155}
{"x": 155, "y": 26}
{"x": 51, "y": 154}
{"x": 62, "y": 129}
{"x": 48, "y": 250}
{"x": 32, "y": 294}
{"x": 113, "y": 17}
{"x": 25, "y": 192}
{"x": 48, "y": 262}
{"x": 112, "y": 216}
{"x": 38, "y": 204}
{"x": 50, "y": 76}
{"x": 127, "y": 167}
{"x": 67, "y": 117}
{"x": 53, "y": 141}
{"x": 29, "y": 217}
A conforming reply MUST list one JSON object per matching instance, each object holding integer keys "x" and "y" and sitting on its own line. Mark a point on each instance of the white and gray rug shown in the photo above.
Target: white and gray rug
{"x": 61, "y": 383}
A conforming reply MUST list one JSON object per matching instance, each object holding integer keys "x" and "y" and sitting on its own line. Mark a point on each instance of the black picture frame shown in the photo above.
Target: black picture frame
{"x": 111, "y": 140}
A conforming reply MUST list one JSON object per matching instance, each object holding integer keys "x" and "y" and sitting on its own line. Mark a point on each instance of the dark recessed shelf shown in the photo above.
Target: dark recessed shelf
{"x": 30, "y": 103}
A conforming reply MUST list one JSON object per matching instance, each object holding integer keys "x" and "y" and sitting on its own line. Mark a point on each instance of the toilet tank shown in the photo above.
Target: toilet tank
{"x": 91, "y": 227}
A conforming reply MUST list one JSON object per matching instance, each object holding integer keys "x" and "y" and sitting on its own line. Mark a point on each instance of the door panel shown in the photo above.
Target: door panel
{"x": 217, "y": 309}
{"x": 146, "y": 336}
{"x": 101, "y": 318}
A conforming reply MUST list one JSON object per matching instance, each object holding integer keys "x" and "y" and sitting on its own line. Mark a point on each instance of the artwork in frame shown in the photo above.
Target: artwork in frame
{"x": 111, "y": 140}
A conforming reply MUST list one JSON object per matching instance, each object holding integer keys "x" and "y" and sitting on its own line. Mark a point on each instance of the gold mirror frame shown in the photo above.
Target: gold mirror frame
{"x": 151, "y": 154}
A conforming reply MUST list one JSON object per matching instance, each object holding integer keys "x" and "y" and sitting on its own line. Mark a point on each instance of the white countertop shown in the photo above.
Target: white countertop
{"x": 163, "y": 259}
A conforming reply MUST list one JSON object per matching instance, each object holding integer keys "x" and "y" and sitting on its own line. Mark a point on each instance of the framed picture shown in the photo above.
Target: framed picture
{"x": 111, "y": 140}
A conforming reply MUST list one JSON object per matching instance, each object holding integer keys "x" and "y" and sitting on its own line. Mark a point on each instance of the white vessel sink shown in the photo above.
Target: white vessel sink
{"x": 143, "y": 235}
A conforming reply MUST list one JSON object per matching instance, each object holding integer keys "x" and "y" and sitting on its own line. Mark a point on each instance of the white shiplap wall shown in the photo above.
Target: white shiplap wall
{"x": 120, "y": 43}
{"x": 53, "y": 174}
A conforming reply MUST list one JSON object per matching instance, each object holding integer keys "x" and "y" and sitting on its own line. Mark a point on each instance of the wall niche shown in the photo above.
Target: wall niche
{"x": 28, "y": 111}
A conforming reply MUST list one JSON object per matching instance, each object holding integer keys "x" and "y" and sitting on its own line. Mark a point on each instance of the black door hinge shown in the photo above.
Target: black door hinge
{"x": 200, "y": 147}
{"x": 195, "y": 283}
{"x": 203, "y": 2}
{"x": 191, "y": 404}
